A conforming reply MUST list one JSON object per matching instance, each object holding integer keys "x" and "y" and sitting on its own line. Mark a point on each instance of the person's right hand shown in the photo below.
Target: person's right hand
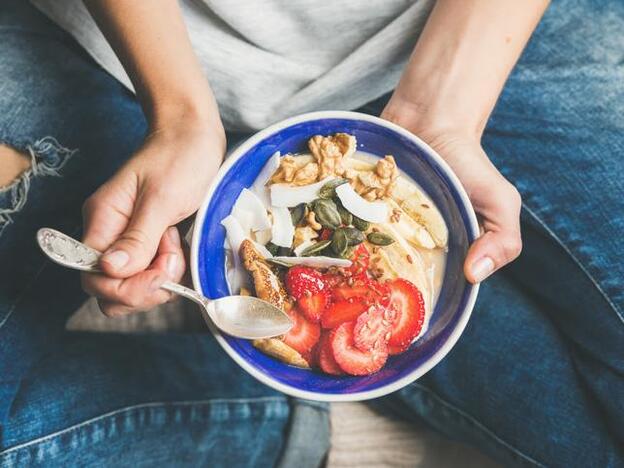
{"x": 495, "y": 200}
{"x": 132, "y": 217}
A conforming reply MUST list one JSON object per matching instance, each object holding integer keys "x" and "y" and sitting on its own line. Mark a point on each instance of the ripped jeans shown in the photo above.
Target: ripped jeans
{"x": 536, "y": 379}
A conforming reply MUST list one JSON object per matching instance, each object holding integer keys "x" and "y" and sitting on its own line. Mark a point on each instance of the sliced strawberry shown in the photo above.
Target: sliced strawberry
{"x": 408, "y": 304}
{"x": 332, "y": 280}
{"x": 360, "y": 259}
{"x": 342, "y": 311}
{"x": 300, "y": 279}
{"x": 303, "y": 335}
{"x": 313, "y": 305}
{"x": 369, "y": 290}
{"x": 325, "y": 234}
{"x": 371, "y": 327}
{"x": 309, "y": 357}
{"x": 326, "y": 360}
{"x": 352, "y": 360}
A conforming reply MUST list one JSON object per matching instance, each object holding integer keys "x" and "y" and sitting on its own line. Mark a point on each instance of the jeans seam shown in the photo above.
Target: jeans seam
{"x": 576, "y": 260}
{"x": 475, "y": 423}
{"x": 126, "y": 409}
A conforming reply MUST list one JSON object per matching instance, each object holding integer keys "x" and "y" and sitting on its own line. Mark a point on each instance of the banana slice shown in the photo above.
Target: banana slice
{"x": 403, "y": 261}
{"x": 280, "y": 350}
{"x": 411, "y": 230}
{"x": 425, "y": 213}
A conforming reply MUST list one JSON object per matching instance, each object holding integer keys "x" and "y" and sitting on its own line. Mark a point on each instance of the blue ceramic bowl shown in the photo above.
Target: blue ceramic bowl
{"x": 414, "y": 157}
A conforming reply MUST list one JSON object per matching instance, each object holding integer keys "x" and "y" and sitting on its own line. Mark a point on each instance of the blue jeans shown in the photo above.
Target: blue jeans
{"x": 536, "y": 379}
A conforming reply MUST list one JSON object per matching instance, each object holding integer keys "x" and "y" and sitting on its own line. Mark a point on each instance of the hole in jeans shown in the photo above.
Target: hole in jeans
{"x": 19, "y": 164}
{"x": 12, "y": 164}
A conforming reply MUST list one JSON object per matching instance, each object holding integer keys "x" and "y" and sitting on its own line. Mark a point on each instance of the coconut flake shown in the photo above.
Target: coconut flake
{"x": 288, "y": 196}
{"x": 236, "y": 273}
{"x": 283, "y": 231}
{"x": 263, "y": 237}
{"x": 262, "y": 250}
{"x": 234, "y": 232}
{"x": 259, "y": 186}
{"x": 315, "y": 262}
{"x": 251, "y": 212}
{"x": 374, "y": 212}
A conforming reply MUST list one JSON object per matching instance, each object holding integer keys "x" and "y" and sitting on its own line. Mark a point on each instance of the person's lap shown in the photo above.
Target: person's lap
{"x": 535, "y": 377}
{"x": 95, "y": 398}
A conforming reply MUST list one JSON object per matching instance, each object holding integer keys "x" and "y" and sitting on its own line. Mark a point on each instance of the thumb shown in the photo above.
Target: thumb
{"x": 491, "y": 251}
{"x": 136, "y": 247}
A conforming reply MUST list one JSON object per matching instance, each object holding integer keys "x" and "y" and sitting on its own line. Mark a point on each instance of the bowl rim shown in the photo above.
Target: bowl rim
{"x": 473, "y": 231}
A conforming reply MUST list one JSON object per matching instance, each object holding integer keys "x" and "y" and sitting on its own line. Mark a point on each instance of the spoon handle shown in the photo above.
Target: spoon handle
{"x": 70, "y": 253}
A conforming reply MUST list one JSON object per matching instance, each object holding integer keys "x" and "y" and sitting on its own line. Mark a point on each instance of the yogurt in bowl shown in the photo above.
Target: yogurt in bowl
{"x": 420, "y": 225}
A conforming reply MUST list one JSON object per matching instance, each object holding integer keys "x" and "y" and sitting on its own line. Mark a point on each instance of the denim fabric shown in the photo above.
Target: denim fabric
{"x": 76, "y": 399}
{"x": 536, "y": 379}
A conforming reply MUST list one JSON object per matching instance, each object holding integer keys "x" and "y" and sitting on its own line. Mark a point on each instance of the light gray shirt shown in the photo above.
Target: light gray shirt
{"x": 270, "y": 59}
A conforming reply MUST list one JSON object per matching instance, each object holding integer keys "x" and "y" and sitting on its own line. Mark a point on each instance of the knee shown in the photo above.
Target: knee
{"x": 13, "y": 164}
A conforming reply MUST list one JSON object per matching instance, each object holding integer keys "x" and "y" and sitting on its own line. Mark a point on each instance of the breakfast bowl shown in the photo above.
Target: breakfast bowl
{"x": 415, "y": 159}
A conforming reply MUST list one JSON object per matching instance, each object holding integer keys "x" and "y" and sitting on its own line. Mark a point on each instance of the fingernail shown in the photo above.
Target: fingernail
{"x": 156, "y": 283}
{"x": 117, "y": 259}
{"x": 174, "y": 235}
{"x": 482, "y": 268}
{"x": 172, "y": 265}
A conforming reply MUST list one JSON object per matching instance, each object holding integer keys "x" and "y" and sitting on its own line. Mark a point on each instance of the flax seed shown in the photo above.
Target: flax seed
{"x": 410, "y": 259}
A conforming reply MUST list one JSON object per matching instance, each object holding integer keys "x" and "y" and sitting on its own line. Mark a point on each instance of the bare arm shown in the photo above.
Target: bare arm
{"x": 132, "y": 217}
{"x": 446, "y": 94}
{"x": 151, "y": 41}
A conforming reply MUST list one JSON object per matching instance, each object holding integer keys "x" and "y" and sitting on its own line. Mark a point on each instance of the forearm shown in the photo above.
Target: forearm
{"x": 152, "y": 43}
{"x": 460, "y": 63}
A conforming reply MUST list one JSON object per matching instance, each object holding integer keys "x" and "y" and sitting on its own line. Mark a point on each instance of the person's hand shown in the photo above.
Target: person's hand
{"x": 132, "y": 217}
{"x": 495, "y": 200}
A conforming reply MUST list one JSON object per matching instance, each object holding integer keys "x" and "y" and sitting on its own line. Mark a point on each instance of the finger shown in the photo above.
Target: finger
{"x": 105, "y": 216}
{"x": 501, "y": 242}
{"x": 135, "y": 249}
{"x": 140, "y": 292}
{"x": 170, "y": 257}
{"x": 113, "y": 309}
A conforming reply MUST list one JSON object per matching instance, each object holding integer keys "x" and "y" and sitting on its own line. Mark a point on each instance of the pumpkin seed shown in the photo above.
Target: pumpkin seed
{"x": 345, "y": 216}
{"x": 360, "y": 224}
{"x": 326, "y": 213}
{"x": 297, "y": 213}
{"x": 271, "y": 247}
{"x": 278, "y": 262}
{"x": 339, "y": 242}
{"x": 329, "y": 189}
{"x": 379, "y": 238}
{"x": 354, "y": 236}
{"x": 285, "y": 252}
{"x": 348, "y": 253}
{"x": 315, "y": 248}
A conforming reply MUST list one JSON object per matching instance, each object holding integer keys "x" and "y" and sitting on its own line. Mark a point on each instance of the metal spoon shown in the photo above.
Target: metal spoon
{"x": 240, "y": 316}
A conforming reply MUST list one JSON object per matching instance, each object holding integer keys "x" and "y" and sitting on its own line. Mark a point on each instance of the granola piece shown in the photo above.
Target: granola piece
{"x": 286, "y": 170}
{"x": 278, "y": 349}
{"x": 268, "y": 286}
{"x": 379, "y": 183}
{"x": 312, "y": 222}
{"x": 329, "y": 152}
{"x": 308, "y": 174}
{"x": 303, "y": 234}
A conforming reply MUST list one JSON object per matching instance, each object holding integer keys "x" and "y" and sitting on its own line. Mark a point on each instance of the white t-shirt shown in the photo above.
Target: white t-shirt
{"x": 270, "y": 59}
